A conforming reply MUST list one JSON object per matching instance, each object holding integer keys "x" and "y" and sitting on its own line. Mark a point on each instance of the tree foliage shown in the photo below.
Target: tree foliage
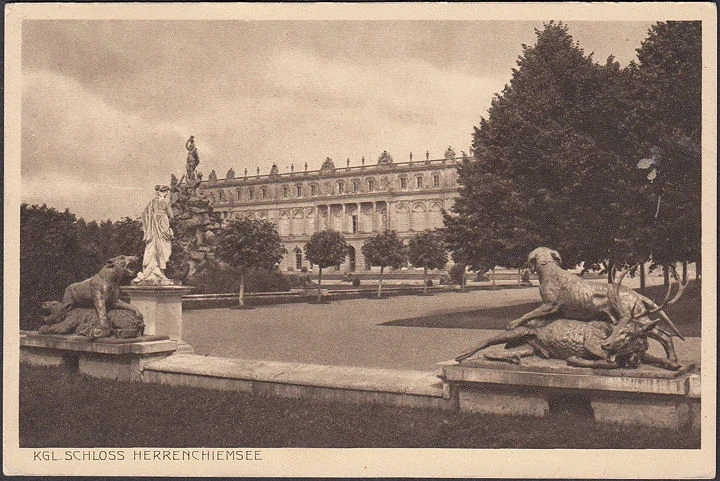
{"x": 384, "y": 250}
{"x": 324, "y": 249}
{"x": 249, "y": 244}
{"x": 427, "y": 250}
{"x": 665, "y": 125}
{"x": 555, "y": 162}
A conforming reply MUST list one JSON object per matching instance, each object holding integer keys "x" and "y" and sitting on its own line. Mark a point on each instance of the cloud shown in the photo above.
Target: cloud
{"x": 75, "y": 143}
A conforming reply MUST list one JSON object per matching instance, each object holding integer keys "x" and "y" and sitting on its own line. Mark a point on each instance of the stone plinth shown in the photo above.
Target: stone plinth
{"x": 161, "y": 307}
{"x": 119, "y": 359}
{"x": 647, "y": 395}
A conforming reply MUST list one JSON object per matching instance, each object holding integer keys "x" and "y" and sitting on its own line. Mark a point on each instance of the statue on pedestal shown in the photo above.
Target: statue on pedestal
{"x": 157, "y": 235}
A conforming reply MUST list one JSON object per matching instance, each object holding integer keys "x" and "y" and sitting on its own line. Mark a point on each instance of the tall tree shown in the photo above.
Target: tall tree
{"x": 249, "y": 244}
{"x": 665, "y": 124}
{"x": 384, "y": 250}
{"x": 548, "y": 167}
{"x": 427, "y": 250}
{"x": 50, "y": 255}
{"x": 325, "y": 248}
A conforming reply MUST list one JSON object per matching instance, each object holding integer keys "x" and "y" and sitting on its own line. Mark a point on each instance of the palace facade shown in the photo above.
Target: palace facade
{"x": 357, "y": 201}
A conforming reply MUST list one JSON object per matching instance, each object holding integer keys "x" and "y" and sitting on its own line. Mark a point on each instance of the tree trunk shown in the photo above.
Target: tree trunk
{"x": 241, "y": 293}
{"x": 519, "y": 276}
{"x": 319, "y": 284}
{"x": 684, "y": 272}
{"x": 642, "y": 277}
{"x": 666, "y": 276}
{"x": 492, "y": 271}
{"x": 380, "y": 283}
{"x": 425, "y": 281}
{"x": 462, "y": 277}
{"x": 610, "y": 272}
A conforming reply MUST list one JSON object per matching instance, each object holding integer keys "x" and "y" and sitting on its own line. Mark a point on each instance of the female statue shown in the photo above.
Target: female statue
{"x": 157, "y": 235}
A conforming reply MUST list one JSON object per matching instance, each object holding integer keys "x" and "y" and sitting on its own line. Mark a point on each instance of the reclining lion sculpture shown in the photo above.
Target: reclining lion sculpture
{"x": 84, "y": 321}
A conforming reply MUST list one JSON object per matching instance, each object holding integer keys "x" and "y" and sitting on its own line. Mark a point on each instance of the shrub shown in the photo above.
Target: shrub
{"x": 429, "y": 283}
{"x": 221, "y": 279}
{"x": 356, "y": 282}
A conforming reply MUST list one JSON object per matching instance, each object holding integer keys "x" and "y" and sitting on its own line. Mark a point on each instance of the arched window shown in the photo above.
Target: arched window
{"x": 436, "y": 180}
{"x": 418, "y": 182}
{"x": 285, "y": 191}
{"x": 417, "y": 218}
{"x": 403, "y": 183}
{"x": 298, "y": 224}
{"x": 403, "y": 218}
{"x": 313, "y": 190}
{"x": 222, "y": 195}
{"x": 284, "y": 224}
{"x": 251, "y": 193}
{"x": 263, "y": 192}
{"x": 298, "y": 190}
{"x": 371, "y": 185}
{"x": 355, "y": 186}
{"x": 341, "y": 187}
{"x": 436, "y": 218}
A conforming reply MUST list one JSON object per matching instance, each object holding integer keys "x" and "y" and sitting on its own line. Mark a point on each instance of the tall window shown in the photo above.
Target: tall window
{"x": 222, "y": 195}
{"x": 340, "y": 187}
{"x": 263, "y": 192}
{"x": 298, "y": 259}
{"x": 313, "y": 189}
{"x": 298, "y": 190}
{"x": 418, "y": 181}
{"x": 356, "y": 186}
{"x": 436, "y": 180}
{"x": 371, "y": 185}
{"x": 251, "y": 193}
{"x": 354, "y": 224}
{"x": 286, "y": 191}
{"x": 403, "y": 183}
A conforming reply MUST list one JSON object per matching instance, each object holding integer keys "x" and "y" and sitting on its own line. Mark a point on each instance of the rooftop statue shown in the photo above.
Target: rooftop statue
{"x": 230, "y": 174}
{"x": 449, "y": 153}
{"x": 274, "y": 169}
{"x": 157, "y": 235}
{"x": 327, "y": 164}
{"x": 385, "y": 158}
{"x": 212, "y": 176}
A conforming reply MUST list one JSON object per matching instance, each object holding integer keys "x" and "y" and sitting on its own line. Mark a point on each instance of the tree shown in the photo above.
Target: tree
{"x": 50, "y": 257}
{"x": 325, "y": 248}
{"x": 384, "y": 250}
{"x": 427, "y": 250}
{"x": 249, "y": 244}
{"x": 549, "y": 166}
{"x": 665, "y": 124}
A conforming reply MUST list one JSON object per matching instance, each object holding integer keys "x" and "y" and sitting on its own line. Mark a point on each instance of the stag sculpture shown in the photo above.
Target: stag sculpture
{"x": 564, "y": 294}
{"x": 596, "y": 344}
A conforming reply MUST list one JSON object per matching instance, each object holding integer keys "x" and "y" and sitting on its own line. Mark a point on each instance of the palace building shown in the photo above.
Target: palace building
{"x": 357, "y": 201}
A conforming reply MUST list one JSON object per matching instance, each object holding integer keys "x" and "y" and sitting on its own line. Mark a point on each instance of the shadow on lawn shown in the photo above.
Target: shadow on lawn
{"x": 686, "y": 314}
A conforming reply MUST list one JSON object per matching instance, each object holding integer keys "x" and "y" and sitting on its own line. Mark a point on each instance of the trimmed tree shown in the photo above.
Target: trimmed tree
{"x": 249, "y": 244}
{"x": 325, "y": 248}
{"x": 384, "y": 250}
{"x": 427, "y": 250}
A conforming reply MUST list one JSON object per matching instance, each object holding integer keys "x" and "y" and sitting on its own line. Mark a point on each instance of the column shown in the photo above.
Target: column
{"x": 343, "y": 222}
{"x": 317, "y": 218}
{"x": 374, "y": 217}
{"x": 388, "y": 208}
{"x": 427, "y": 215}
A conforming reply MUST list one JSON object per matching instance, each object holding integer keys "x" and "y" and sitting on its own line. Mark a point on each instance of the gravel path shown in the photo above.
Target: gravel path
{"x": 348, "y": 332}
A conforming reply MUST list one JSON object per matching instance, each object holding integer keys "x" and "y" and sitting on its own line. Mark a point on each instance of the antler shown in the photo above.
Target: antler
{"x": 665, "y": 303}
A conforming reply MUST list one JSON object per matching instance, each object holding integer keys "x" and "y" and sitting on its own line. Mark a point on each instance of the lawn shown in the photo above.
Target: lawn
{"x": 686, "y": 314}
{"x": 62, "y": 409}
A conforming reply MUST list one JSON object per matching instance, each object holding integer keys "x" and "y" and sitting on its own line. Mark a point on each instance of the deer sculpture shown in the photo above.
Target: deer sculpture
{"x": 566, "y": 295}
{"x": 595, "y": 344}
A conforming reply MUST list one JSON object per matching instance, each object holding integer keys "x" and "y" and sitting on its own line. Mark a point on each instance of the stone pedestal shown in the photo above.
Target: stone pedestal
{"x": 117, "y": 359}
{"x": 161, "y": 307}
{"x": 647, "y": 396}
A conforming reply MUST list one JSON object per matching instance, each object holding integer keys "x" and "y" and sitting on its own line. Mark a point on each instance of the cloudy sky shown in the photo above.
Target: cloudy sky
{"x": 107, "y": 105}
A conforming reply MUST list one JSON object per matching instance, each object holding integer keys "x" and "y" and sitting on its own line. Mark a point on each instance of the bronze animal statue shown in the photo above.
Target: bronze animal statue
{"x": 565, "y": 294}
{"x": 595, "y": 344}
{"x": 84, "y": 321}
{"x": 102, "y": 291}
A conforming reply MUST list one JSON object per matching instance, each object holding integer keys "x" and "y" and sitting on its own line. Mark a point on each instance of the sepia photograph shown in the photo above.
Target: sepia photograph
{"x": 360, "y": 240}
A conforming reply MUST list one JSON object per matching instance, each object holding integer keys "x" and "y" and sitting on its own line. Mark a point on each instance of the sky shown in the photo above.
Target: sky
{"x": 107, "y": 105}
